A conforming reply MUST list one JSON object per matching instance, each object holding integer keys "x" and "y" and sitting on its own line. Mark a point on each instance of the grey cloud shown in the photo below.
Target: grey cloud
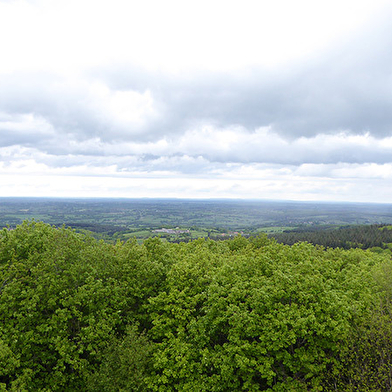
{"x": 326, "y": 97}
{"x": 132, "y": 164}
{"x": 299, "y": 151}
{"x": 348, "y": 89}
{"x": 65, "y": 104}
{"x": 39, "y": 94}
{"x": 9, "y": 137}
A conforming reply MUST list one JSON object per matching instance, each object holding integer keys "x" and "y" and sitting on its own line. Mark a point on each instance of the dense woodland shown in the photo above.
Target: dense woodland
{"x": 375, "y": 237}
{"x": 236, "y": 315}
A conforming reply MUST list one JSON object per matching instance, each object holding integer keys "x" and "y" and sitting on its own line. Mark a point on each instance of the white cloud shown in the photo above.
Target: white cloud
{"x": 264, "y": 145}
{"x": 298, "y": 188}
{"x": 24, "y": 124}
{"x": 196, "y": 99}
{"x": 24, "y": 170}
{"x": 67, "y": 36}
{"x": 128, "y": 110}
{"x": 206, "y": 150}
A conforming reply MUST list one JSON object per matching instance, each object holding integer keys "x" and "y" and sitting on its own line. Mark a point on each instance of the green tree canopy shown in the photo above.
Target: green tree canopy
{"x": 237, "y": 315}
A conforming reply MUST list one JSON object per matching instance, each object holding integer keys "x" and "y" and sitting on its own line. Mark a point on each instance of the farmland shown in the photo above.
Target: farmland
{"x": 126, "y": 218}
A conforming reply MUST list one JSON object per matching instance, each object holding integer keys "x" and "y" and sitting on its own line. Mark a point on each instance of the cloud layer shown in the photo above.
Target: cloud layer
{"x": 206, "y": 98}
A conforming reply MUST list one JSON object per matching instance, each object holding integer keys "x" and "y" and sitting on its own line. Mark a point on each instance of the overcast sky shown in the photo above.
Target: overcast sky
{"x": 196, "y": 99}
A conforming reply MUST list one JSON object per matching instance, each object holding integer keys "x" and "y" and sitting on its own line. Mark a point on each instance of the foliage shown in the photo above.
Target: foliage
{"x": 125, "y": 364}
{"x": 237, "y": 315}
{"x": 63, "y": 296}
{"x": 367, "y": 356}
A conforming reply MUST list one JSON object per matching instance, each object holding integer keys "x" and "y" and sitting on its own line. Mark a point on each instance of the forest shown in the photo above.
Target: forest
{"x": 375, "y": 237}
{"x": 244, "y": 314}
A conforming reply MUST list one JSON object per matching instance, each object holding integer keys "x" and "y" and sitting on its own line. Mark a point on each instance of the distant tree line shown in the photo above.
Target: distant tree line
{"x": 363, "y": 236}
{"x": 236, "y": 315}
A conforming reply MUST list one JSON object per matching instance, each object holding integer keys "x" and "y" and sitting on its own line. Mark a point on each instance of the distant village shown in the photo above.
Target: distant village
{"x": 177, "y": 230}
{"x": 172, "y": 231}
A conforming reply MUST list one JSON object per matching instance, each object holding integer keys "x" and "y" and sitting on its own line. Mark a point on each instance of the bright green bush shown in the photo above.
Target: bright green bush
{"x": 238, "y": 315}
{"x": 63, "y": 296}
